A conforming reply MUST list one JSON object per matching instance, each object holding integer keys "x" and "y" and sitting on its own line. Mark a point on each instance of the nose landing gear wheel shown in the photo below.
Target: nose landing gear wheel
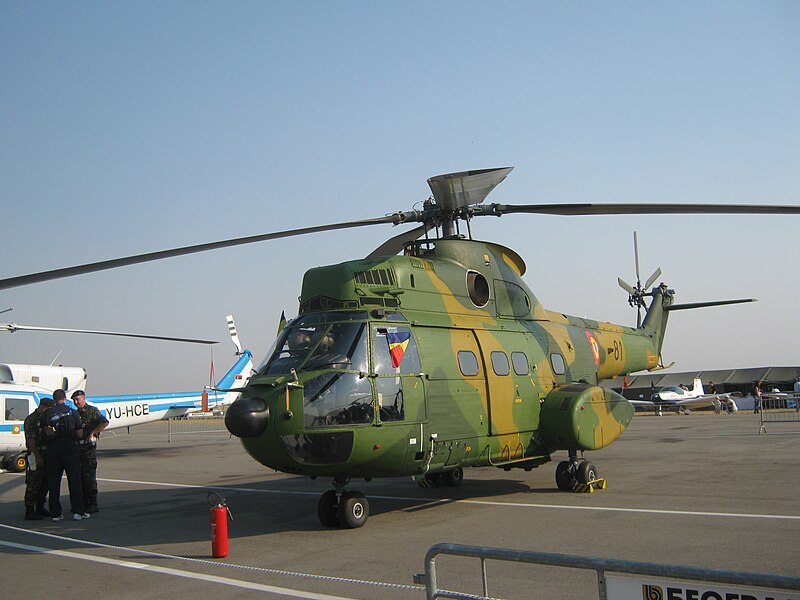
{"x": 353, "y": 509}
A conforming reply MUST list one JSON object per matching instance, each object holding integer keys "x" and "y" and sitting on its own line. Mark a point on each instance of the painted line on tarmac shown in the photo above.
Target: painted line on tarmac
{"x": 174, "y": 572}
{"x": 654, "y": 511}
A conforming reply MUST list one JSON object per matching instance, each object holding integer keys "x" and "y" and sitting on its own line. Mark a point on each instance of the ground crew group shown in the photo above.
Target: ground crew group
{"x": 62, "y": 439}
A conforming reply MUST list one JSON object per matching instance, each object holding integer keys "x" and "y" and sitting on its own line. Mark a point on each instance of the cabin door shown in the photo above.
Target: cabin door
{"x": 512, "y": 389}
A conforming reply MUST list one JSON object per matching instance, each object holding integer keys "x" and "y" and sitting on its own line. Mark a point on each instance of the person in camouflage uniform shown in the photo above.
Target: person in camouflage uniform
{"x": 93, "y": 423}
{"x": 35, "y": 473}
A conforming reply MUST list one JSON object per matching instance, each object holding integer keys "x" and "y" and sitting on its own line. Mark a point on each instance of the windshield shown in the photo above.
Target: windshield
{"x": 314, "y": 344}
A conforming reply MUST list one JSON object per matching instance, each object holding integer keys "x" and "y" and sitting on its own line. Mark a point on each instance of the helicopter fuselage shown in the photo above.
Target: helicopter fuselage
{"x": 435, "y": 360}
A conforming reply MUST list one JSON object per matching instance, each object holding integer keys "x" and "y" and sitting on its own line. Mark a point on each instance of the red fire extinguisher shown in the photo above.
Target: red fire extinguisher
{"x": 219, "y": 525}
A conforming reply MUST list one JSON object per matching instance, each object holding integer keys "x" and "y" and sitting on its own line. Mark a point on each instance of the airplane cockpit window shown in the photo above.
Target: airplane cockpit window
{"x": 311, "y": 344}
{"x": 16, "y": 409}
{"x": 672, "y": 388}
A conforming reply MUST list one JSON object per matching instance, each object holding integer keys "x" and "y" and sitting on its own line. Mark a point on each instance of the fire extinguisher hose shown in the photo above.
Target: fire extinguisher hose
{"x": 220, "y": 501}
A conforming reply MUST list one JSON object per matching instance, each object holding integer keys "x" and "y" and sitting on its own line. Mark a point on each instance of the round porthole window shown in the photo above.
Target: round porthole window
{"x": 478, "y": 288}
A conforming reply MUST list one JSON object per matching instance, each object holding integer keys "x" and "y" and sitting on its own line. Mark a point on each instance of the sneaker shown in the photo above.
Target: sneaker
{"x": 31, "y": 515}
{"x": 58, "y": 518}
{"x": 77, "y": 517}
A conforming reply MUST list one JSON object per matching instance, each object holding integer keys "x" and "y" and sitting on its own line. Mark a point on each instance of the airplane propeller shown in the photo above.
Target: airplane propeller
{"x": 636, "y": 295}
{"x": 456, "y": 196}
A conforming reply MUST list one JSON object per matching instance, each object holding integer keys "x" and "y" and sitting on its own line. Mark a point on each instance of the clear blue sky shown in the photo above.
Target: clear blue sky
{"x": 138, "y": 126}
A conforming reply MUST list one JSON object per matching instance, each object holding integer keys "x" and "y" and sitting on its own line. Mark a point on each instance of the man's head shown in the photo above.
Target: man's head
{"x": 60, "y": 396}
{"x": 79, "y": 398}
{"x": 46, "y": 403}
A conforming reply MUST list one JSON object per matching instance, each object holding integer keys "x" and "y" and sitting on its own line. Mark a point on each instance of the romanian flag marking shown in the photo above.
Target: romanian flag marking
{"x": 398, "y": 342}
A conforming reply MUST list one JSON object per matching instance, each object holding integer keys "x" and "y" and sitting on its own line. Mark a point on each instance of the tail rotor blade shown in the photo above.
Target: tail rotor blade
{"x": 656, "y": 274}
{"x": 625, "y": 286}
{"x": 636, "y": 258}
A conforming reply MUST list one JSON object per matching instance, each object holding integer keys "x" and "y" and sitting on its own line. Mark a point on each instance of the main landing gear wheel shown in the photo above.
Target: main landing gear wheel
{"x": 566, "y": 479}
{"x": 353, "y": 509}
{"x": 452, "y": 478}
{"x": 586, "y": 472}
{"x": 328, "y": 509}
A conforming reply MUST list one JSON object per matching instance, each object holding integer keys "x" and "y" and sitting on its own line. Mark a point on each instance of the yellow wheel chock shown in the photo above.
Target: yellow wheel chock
{"x": 588, "y": 488}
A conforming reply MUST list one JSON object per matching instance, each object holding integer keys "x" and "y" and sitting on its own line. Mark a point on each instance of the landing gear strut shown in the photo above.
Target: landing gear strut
{"x": 337, "y": 508}
{"x": 574, "y": 472}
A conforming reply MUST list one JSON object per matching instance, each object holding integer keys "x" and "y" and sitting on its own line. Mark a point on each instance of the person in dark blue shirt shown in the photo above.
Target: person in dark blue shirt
{"x": 62, "y": 428}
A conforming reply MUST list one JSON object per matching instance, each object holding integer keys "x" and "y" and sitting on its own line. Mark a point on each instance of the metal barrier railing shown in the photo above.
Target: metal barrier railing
{"x": 195, "y": 425}
{"x": 778, "y": 408}
{"x": 605, "y": 569}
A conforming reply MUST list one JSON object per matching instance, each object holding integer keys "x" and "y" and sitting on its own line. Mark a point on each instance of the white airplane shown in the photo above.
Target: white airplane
{"x": 673, "y": 396}
{"x": 23, "y": 386}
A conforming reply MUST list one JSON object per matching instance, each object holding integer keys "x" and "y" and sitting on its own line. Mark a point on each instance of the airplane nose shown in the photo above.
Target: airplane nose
{"x": 247, "y": 417}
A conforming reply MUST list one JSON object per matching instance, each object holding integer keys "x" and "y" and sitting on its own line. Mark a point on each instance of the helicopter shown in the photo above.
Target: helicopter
{"x": 22, "y": 387}
{"x": 431, "y": 354}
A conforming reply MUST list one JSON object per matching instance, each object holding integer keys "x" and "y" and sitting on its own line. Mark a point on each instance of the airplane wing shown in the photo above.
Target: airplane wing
{"x": 712, "y": 400}
{"x": 700, "y": 401}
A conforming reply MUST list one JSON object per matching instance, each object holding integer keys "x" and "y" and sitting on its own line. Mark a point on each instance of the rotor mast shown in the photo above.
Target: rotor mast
{"x": 454, "y": 192}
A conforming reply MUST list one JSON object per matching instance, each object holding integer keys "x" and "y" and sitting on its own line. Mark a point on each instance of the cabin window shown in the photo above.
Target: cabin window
{"x": 500, "y": 363}
{"x": 520, "y": 362}
{"x": 16, "y": 409}
{"x": 559, "y": 366}
{"x": 337, "y": 398}
{"x": 477, "y": 288}
{"x": 394, "y": 351}
{"x": 468, "y": 363}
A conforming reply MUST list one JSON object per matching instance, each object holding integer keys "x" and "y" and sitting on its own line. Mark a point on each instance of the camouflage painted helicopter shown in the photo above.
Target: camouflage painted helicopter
{"x": 440, "y": 358}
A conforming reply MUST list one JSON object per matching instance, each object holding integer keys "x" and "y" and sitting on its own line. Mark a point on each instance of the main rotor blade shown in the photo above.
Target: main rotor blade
{"x": 706, "y": 304}
{"x": 13, "y": 327}
{"x": 394, "y": 244}
{"x": 104, "y": 265}
{"x": 640, "y": 209}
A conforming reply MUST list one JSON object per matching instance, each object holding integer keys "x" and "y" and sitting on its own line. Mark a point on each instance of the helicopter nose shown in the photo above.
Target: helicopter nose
{"x": 247, "y": 417}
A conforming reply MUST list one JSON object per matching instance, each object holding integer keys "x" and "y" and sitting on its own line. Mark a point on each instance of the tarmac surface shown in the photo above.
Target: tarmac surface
{"x": 697, "y": 490}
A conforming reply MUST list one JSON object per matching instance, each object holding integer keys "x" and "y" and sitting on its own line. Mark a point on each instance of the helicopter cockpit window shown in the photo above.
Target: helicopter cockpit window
{"x": 559, "y": 366}
{"x": 337, "y": 398}
{"x": 310, "y": 344}
{"x": 394, "y": 351}
{"x": 512, "y": 300}
{"x": 500, "y": 363}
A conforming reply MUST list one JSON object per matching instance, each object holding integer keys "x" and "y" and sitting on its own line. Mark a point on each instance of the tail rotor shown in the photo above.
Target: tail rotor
{"x": 636, "y": 295}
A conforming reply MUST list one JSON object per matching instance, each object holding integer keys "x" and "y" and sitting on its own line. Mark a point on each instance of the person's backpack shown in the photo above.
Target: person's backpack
{"x": 63, "y": 428}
